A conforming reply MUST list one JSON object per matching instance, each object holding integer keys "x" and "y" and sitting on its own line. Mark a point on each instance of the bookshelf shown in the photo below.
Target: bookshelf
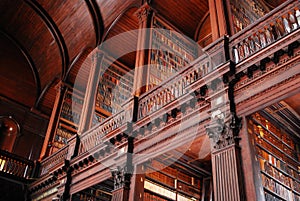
{"x": 68, "y": 118}
{"x": 114, "y": 88}
{"x": 169, "y": 184}
{"x": 276, "y": 152}
{"x": 246, "y": 12}
{"x": 169, "y": 53}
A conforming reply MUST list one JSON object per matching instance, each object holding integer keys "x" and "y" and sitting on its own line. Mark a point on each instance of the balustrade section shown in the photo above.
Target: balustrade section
{"x": 100, "y": 133}
{"x": 15, "y": 165}
{"x": 278, "y": 23}
{"x": 54, "y": 161}
{"x": 173, "y": 88}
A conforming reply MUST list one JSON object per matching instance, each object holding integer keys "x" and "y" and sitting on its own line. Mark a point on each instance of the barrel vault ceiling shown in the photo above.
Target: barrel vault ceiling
{"x": 43, "y": 42}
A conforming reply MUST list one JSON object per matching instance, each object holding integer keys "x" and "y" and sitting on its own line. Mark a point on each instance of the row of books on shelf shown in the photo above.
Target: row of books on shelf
{"x": 274, "y": 140}
{"x": 167, "y": 56}
{"x": 288, "y": 157}
{"x": 58, "y": 144}
{"x": 69, "y": 115}
{"x": 280, "y": 176}
{"x": 172, "y": 39}
{"x": 262, "y": 124}
{"x": 278, "y": 189}
{"x": 272, "y": 197}
{"x": 292, "y": 171}
{"x": 116, "y": 70}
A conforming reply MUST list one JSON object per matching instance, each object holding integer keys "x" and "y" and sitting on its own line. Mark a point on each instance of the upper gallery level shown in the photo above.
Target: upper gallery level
{"x": 103, "y": 76}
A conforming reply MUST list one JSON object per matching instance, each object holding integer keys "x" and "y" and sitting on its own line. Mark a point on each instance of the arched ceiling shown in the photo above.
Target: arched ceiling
{"x": 51, "y": 36}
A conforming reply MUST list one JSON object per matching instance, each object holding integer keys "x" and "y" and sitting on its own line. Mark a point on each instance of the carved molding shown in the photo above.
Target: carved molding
{"x": 143, "y": 12}
{"x": 271, "y": 70}
{"x": 121, "y": 178}
{"x": 223, "y": 131}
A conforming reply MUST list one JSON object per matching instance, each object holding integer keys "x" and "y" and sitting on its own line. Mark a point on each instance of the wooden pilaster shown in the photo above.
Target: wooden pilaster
{"x": 88, "y": 106}
{"x": 219, "y": 18}
{"x": 144, "y": 15}
{"x": 227, "y": 175}
{"x": 137, "y": 184}
{"x": 53, "y": 120}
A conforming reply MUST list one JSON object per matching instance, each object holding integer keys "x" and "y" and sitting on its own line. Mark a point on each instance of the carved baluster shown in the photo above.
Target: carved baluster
{"x": 251, "y": 45}
{"x": 292, "y": 20}
{"x": 235, "y": 54}
{"x": 286, "y": 23}
{"x": 241, "y": 50}
{"x": 274, "y": 31}
{"x": 188, "y": 81}
{"x": 172, "y": 92}
{"x": 256, "y": 42}
{"x": 280, "y": 27}
{"x": 269, "y": 36}
{"x": 297, "y": 15}
{"x": 262, "y": 38}
{"x": 179, "y": 88}
{"x": 246, "y": 48}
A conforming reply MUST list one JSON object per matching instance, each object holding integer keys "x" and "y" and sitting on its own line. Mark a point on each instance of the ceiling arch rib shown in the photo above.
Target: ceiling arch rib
{"x": 97, "y": 19}
{"x": 54, "y": 31}
{"x": 28, "y": 59}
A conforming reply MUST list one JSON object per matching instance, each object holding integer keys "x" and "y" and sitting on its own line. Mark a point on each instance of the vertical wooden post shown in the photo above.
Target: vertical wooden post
{"x": 53, "y": 120}
{"x": 219, "y": 18}
{"x": 137, "y": 184}
{"x": 226, "y": 168}
{"x": 88, "y": 106}
{"x": 144, "y": 15}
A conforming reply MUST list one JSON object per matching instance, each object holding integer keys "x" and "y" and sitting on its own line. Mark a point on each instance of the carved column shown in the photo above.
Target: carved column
{"x": 227, "y": 176}
{"x": 46, "y": 149}
{"x": 94, "y": 62}
{"x": 144, "y": 15}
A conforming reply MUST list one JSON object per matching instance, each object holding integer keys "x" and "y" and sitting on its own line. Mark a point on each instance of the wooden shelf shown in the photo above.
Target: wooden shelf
{"x": 68, "y": 122}
{"x": 277, "y": 167}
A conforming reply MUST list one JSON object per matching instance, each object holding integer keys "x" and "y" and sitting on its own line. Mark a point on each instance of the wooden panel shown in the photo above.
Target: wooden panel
{"x": 74, "y": 22}
{"x": 116, "y": 46}
{"x": 16, "y": 77}
{"x": 29, "y": 29}
{"x": 111, "y": 9}
{"x": 184, "y": 14}
{"x": 226, "y": 175}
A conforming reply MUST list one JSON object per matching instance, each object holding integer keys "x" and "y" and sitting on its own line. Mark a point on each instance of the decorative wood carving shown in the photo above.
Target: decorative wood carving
{"x": 122, "y": 179}
{"x": 143, "y": 13}
{"x": 223, "y": 131}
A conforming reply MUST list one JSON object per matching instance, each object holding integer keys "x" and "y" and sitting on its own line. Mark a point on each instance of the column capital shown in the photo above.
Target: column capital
{"x": 143, "y": 12}
{"x": 223, "y": 130}
{"x": 121, "y": 178}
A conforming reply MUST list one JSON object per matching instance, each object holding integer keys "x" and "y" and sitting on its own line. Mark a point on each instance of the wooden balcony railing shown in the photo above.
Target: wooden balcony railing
{"x": 174, "y": 87}
{"x": 280, "y": 22}
{"x": 54, "y": 161}
{"x": 15, "y": 165}
{"x": 107, "y": 129}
